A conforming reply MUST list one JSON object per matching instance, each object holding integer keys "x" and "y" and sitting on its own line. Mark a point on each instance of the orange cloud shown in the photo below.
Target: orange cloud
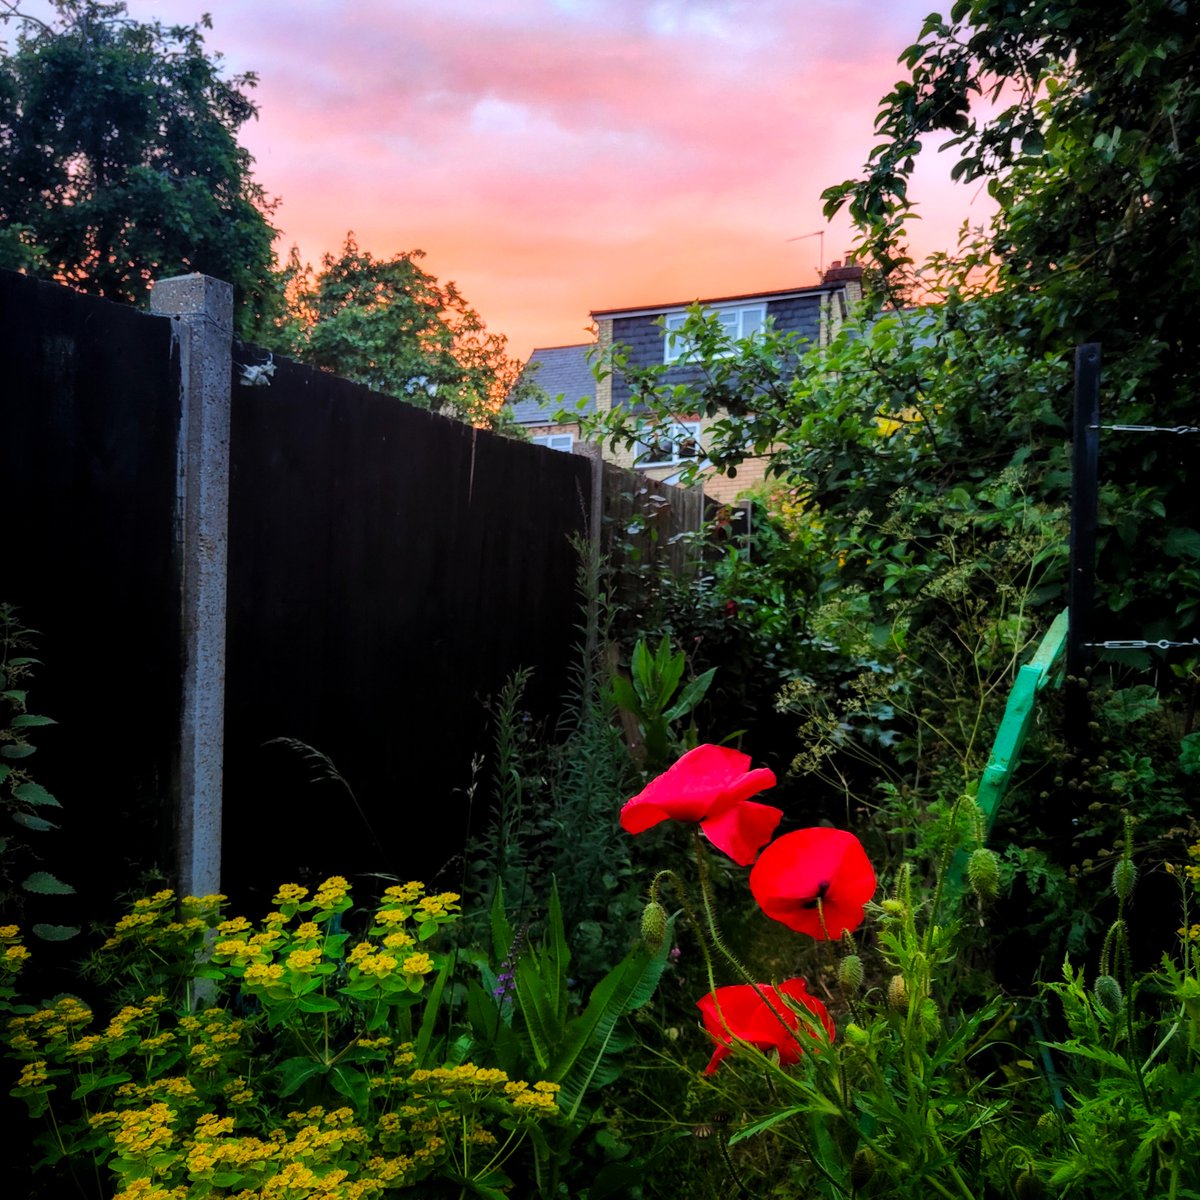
{"x": 555, "y": 156}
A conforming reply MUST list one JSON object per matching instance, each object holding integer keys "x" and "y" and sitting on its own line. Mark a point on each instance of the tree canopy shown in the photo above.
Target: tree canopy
{"x": 391, "y": 325}
{"x": 119, "y": 160}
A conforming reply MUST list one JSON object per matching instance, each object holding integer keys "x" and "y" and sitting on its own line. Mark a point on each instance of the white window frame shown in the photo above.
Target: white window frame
{"x": 682, "y": 431}
{"x": 563, "y": 442}
{"x": 738, "y": 320}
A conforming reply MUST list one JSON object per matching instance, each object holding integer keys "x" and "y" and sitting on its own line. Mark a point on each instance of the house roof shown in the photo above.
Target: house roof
{"x": 784, "y": 294}
{"x": 564, "y": 374}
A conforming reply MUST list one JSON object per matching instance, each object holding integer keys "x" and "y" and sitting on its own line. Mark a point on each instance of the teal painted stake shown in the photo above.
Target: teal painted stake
{"x": 1010, "y": 737}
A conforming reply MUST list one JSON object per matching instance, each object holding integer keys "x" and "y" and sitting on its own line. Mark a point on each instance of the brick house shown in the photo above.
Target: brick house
{"x": 647, "y": 333}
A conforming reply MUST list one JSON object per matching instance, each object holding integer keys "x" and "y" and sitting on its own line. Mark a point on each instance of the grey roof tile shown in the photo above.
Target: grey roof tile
{"x": 564, "y": 374}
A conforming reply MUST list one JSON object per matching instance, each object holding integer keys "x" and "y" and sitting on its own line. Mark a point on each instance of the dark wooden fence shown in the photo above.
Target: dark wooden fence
{"x": 387, "y": 570}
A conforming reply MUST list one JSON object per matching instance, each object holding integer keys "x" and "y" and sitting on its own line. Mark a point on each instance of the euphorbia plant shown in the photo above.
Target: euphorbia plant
{"x": 309, "y": 1062}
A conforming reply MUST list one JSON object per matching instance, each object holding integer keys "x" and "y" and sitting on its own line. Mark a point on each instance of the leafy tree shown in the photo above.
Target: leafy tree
{"x": 391, "y": 325}
{"x": 119, "y": 160}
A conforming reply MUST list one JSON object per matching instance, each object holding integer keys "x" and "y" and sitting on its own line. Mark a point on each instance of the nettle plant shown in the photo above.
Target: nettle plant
{"x": 288, "y": 1058}
{"x": 900, "y": 1091}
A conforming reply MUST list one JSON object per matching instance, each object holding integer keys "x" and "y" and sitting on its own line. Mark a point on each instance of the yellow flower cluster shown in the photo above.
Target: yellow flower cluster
{"x": 33, "y": 1074}
{"x": 152, "y": 922}
{"x": 53, "y": 1029}
{"x": 15, "y": 955}
{"x": 332, "y": 892}
{"x": 138, "y": 1133}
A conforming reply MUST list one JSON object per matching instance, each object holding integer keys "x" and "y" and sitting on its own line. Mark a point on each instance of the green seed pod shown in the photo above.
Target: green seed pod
{"x": 654, "y": 925}
{"x": 856, "y": 1035}
{"x": 850, "y": 973}
{"x": 983, "y": 874}
{"x": 897, "y": 994}
{"x": 931, "y": 1019}
{"x": 1028, "y": 1186}
{"x": 1108, "y": 993}
{"x": 862, "y": 1167}
{"x": 892, "y": 907}
{"x": 1124, "y": 876}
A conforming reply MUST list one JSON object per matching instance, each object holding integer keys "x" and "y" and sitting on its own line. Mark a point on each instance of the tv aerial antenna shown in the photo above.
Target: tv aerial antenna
{"x": 819, "y": 233}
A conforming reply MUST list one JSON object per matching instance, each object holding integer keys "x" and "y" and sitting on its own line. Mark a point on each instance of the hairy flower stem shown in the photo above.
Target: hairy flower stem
{"x": 719, "y": 943}
{"x": 709, "y": 915}
{"x": 656, "y": 894}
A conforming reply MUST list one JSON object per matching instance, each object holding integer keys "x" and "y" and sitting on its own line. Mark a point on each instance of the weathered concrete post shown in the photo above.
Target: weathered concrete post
{"x": 203, "y": 311}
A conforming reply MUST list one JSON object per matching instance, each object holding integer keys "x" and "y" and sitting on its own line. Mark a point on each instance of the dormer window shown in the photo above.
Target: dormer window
{"x": 675, "y": 445}
{"x": 737, "y": 321}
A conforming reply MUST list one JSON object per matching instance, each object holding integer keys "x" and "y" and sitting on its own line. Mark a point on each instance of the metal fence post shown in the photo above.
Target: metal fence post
{"x": 1085, "y": 452}
{"x": 202, "y": 309}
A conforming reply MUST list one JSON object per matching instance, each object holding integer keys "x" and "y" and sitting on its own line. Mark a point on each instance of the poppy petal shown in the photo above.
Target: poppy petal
{"x": 743, "y": 830}
{"x": 761, "y": 1016}
{"x": 815, "y": 881}
{"x": 706, "y": 781}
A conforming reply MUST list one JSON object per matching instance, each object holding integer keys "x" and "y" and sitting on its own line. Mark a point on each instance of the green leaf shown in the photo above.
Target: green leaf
{"x": 25, "y": 720}
{"x": 433, "y": 1005}
{"x": 55, "y": 933}
{"x": 31, "y": 793}
{"x": 691, "y": 695}
{"x": 33, "y": 822}
{"x": 294, "y": 1073}
{"x": 1189, "y": 754}
{"x": 16, "y": 751}
{"x": 625, "y": 988}
{"x": 351, "y": 1083}
{"x": 1131, "y": 704}
{"x": 624, "y": 694}
{"x": 318, "y": 1004}
{"x": 1179, "y": 543}
{"x": 42, "y": 883}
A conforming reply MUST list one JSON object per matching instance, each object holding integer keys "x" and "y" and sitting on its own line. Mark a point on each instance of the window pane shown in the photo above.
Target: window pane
{"x": 753, "y": 320}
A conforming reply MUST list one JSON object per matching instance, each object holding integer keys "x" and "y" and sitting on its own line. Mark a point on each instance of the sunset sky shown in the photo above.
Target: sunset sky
{"x": 553, "y": 157}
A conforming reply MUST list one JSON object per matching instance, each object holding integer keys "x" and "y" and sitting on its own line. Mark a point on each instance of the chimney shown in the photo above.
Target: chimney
{"x": 849, "y": 276}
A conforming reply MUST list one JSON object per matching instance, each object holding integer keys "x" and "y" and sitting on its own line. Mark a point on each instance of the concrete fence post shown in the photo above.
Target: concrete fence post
{"x": 202, "y": 309}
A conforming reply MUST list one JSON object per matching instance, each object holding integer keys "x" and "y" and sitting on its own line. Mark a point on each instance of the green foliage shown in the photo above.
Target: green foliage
{"x": 121, "y": 163}
{"x": 389, "y": 324}
{"x": 656, "y": 697}
{"x": 26, "y": 803}
{"x": 1088, "y": 143}
{"x": 550, "y": 815}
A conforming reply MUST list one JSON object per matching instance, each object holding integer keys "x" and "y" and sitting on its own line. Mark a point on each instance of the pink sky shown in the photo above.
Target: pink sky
{"x": 558, "y": 156}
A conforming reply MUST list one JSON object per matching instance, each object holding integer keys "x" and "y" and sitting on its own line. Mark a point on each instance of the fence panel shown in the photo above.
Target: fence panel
{"x": 89, "y": 416}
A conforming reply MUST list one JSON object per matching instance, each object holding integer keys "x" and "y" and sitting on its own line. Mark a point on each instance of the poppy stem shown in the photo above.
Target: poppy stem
{"x": 656, "y": 893}
{"x": 718, "y": 942}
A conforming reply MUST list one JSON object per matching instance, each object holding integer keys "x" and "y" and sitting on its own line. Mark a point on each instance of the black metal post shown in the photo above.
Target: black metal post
{"x": 1085, "y": 450}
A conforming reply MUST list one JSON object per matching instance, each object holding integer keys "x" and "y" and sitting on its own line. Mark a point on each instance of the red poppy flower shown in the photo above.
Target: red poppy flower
{"x": 813, "y": 876}
{"x": 745, "y": 1013}
{"x": 711, "y": 785}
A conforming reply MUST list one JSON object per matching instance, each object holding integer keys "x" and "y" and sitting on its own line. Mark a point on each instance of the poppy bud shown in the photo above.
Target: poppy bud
{"x": 983, "y": 874}
{"x": 850, "y": 973}
{"x": 862, "y": 1168}
{"x": 654, "y": 925}
{"x": 1124, "y": 876}
{"x": 856, "y": 1035}
{"x": 1028, "y": 1186}
{"x": 892, "y": 907}
{"x": 931, "y": 1020}
{"x": 1108, "y": 993}
{"x": 897, "y": 994}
